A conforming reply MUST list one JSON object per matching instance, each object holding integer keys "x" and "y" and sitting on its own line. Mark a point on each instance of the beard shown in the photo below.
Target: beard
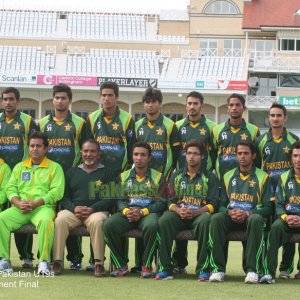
{"x": 89, "y": 162}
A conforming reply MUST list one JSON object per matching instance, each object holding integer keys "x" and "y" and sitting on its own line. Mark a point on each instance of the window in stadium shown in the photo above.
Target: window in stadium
{"x": 262, "y": 47}
{"x": 221, "y": 7}
{"x": 232, "y": 48}
{"x": 83, "y": 114}
{"x": 49, "y": 111}
{"x": 289, "y": 44}
{"x": 138, "y": 116}
{"x": 208, "y": 47}
{"x": 174, "y": 117}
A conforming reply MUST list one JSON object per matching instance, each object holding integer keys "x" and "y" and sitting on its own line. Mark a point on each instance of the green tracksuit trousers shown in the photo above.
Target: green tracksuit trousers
{"x": 42, "y": 218}
{"x": 169, "y": 225}
{"x": 117, "y": 225}
{"x": 220, "y": 225}
{"x": 280, "y": 234}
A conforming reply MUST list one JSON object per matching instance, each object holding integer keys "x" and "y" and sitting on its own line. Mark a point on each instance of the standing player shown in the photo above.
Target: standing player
{"x": 244, "y": 203}
{"x": 5, "y": 173}
{"x": 287, "y": 202}
{"x": 113, "y": 129}
{"x": 194, "y": 126}
{"x": 162, "y": 135}
{"x": 65, "y": 132}
{"x": 194, "y": 197}
{"x": 227, "y": 135}
{"x": 15, "y": 127}
{"x": 274, "y": 157}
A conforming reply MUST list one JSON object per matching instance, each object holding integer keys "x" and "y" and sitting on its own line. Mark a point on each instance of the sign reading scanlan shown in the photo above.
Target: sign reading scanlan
{"x": 130, "y": 82}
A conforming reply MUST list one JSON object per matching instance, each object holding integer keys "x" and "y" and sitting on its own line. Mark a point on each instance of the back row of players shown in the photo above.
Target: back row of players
{"x": 116, "y": 132}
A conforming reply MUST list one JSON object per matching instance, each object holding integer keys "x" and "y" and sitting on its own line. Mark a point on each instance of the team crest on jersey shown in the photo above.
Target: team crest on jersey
{"x": 17, "y": 126}
{"x": 290, "y": 185}
{"x": 115, "y": 126}
{"x": 141, "y": 131}
{"x": 49, "y": 127}
{"x": 286, "y": 150}
{"x": 159, "y": 131}
{"x": 267, "y": 151}
{"x": 98, "y": 125}
{"x": 233, "y": 183}
{"x": 198, "y": 186}
{"x": 68, "y": 127}
{"x": 130, "y": 133}
{"x": 183, "y": 130}
{"x": 183, "y": 185}
{"x": 202, "y": 131}
{"x": 25, "y": 176}
{"x": 252, "y": 183}
{"x": 129, "y": 183}
{"x": 148, "y": 184}
{"x": 244, "y": 136}
{"x": 224, "y": 136}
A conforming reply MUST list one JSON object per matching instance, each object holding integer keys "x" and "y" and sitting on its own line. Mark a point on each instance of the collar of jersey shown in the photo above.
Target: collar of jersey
{"x": 200, "y": 121}
{"x": 133, "y": 173}
{"x": 270, "y": 136}
{"x": 158, "y": 121}
{"x": 16, "y": 116}
{"x": 68, "y": 117}
{"x": 28, "y": 163}
{"x": 228, "y": 126}
{"x": 199, "y": 172}
{"x": 103, "y": 114}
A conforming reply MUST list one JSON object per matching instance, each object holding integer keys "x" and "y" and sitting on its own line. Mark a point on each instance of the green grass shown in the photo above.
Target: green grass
{"x": 83, "y": 285}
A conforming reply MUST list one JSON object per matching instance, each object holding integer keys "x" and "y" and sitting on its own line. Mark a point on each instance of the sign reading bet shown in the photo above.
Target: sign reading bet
{"x": 290, "y": 101}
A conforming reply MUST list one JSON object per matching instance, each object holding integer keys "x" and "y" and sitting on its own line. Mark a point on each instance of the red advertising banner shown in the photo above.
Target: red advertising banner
{"x": 69, "y": 80}
{"x": 239, "y": 85}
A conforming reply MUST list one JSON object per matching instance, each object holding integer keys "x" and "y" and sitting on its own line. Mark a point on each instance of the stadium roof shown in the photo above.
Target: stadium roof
{"x": 271, "y": 13}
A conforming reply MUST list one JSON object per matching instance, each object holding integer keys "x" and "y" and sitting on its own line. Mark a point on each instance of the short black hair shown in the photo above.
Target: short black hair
{"x": 152, "y": 94}
{"x": 195, "y": 95}
{"x": 296, "y": 145}
{"x": 195, "y": 143}
{"x": 92, "y": 141}
{"x": 238, "y": 96}
{"x": 250, "y": 145}
{"x": 280, "y": 106}
{"x": 62, "y": 88}
{"x": 141, "y": 144}
{"x": 39, "y": 135}
{"x": 110, "y": 85}
{"x": 11, "y": 90}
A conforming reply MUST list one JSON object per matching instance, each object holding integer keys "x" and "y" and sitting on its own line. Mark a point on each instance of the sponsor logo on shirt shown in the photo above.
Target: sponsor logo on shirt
{"x": 60, "y": 150}
{"x": 25, "y": 176}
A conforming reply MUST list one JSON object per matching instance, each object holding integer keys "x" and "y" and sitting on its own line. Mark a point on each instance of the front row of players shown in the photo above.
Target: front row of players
{"x": 37, "y": 184}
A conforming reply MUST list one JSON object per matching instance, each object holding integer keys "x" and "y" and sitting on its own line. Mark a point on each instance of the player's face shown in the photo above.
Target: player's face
{"x": 235, "y": 108}
{"x": 244, "y": 156}
{"x": 193, "y": 107}
{"x": 296, "y": 158}
{"x": 152, "y": 107}
{"x": 61, "y": 102}
{"x": 108, "y": 99}
{"x": 277, "y": 118}
{"x": 140, "y": 157}
{"x": 90, "y": 154}
{"x": 193, "y": 157}
{"x": 37, "y": 150}
{"x": 9, "y": 102}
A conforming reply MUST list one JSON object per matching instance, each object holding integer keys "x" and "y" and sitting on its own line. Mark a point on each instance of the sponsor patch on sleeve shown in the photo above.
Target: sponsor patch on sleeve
{"x": 25, "y": 176}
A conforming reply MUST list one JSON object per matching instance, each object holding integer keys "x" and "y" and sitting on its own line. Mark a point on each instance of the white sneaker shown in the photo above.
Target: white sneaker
{"x": 284, "y": 275}
{"x": 267, "y": 279}
{"x": 5, "y": 266}
{"x": 217, "y": 277}
{"x": 43, "y": 268}
{"x": 251, "y": 277}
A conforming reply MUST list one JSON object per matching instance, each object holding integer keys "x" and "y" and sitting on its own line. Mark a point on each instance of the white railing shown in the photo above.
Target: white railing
{"x": 277, "y": 63}
{"x": 260, "y": 101}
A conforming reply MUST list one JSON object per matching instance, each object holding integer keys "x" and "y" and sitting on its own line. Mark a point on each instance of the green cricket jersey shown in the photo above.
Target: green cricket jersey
{"x": 144, "y": 193}
{"x": 5, "y": 173}
{"x": 200, "y": 130}
{"x": 14, "y": 137}
{"x": 248, "y": 192}
{"x": 163, "y": 137}
{"x": 115, "y": 137}
{"x": 194, "y": 192}
{"x": 287, "y": 197}
{"x": 274, "y": 155}
{"x": 65, "y": 139}
{"x": 226, "y": 138}
{"x": 84, "y": 188}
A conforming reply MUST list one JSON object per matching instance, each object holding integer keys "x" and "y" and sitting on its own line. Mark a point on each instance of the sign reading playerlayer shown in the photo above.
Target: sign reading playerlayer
{"x": 9, "y": 78}
{"x": 289, "y": 101}
{"x": 130, "y": 82}
{"x": 69, "y": 80}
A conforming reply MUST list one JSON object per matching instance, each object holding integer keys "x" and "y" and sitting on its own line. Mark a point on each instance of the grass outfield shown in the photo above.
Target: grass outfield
{"x": 82, "y": 284}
